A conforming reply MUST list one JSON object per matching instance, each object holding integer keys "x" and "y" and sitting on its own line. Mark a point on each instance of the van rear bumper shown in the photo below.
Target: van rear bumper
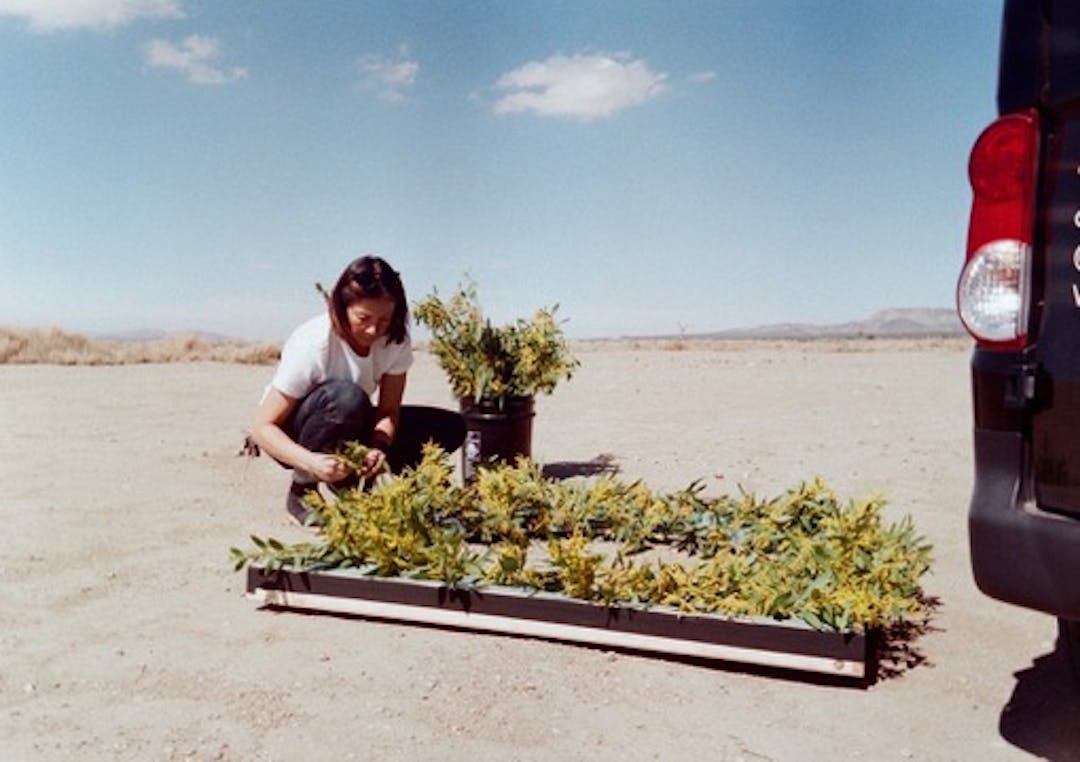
{"x": 1019, "y": 553}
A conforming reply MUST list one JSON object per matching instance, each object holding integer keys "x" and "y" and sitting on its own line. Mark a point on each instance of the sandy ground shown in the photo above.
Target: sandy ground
{"x": 124, "y": 633}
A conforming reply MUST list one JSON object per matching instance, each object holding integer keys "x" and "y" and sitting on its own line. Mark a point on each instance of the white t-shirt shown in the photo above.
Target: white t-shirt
{"x": 314, "y": 354}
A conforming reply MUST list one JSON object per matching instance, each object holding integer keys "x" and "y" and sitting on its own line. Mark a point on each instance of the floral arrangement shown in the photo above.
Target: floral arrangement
{"x": 489, "y": 362}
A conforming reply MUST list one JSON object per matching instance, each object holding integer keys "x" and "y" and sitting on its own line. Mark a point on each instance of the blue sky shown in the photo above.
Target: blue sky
{"x": 650, "y": 166}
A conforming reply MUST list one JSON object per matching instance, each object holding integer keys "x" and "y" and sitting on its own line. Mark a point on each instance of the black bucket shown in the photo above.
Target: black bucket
{"x": 495, "y": 430}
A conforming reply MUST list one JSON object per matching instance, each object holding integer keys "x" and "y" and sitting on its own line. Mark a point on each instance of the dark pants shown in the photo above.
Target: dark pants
{"x": 339, "y": 411}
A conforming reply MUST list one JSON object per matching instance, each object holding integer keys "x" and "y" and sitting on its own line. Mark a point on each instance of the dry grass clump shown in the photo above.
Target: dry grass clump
{"x": 56, "y": 347}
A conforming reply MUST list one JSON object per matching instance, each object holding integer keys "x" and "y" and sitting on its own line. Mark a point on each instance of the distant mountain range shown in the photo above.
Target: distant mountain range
{"x": 898, "y": 322}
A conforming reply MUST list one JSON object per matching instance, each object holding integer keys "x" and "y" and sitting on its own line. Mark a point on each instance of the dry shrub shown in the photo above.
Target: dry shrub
{"x": 10, "y": 346}
{"x": 53, "y": 346}
{"x": 57, "y": 347}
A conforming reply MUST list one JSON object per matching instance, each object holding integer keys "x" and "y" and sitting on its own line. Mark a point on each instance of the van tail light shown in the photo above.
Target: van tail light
{"x": 994, "y": 293}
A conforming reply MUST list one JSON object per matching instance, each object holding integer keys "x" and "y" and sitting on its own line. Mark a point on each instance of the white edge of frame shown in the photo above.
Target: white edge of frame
{"x": 557, "y": 631}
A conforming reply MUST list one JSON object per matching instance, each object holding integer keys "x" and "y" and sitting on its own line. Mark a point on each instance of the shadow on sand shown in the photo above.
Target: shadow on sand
{"x": 898, "y": 647}
{"x": 1043, "y": 714}
{"x": 604, "y": 463}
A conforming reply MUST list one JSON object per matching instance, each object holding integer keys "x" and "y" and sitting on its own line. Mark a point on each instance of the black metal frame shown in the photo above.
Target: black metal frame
{"x": 781, "y": 644}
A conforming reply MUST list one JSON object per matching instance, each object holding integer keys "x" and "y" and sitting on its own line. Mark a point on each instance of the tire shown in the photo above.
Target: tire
{"x": 1069, "y": 644}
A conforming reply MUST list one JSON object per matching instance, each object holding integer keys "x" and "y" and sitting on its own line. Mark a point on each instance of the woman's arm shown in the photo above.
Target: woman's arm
{"x": 266, "y": 430}
{"x": 391, "y": 392}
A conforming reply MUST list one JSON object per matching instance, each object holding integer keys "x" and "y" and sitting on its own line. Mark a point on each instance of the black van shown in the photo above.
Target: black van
{"x": 1019, "y": 297}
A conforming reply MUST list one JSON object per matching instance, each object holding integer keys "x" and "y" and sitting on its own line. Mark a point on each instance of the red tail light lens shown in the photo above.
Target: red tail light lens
{"x": 993, "y": 293}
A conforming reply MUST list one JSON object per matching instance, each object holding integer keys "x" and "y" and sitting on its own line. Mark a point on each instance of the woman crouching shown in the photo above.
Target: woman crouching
{"x": 332, "y": 368}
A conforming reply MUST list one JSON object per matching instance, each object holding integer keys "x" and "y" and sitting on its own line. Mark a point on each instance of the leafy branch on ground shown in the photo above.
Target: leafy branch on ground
{"x": 802, "y": 555}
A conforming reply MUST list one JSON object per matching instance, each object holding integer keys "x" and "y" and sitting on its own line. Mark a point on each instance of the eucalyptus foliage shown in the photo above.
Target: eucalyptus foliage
{"x": 802, "y": 555}
{"x": 484, "y": 361}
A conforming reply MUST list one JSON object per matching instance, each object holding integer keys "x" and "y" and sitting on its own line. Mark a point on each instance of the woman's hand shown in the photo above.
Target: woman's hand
{"x": 327, "y": 468}
{"x": 374, "y": 463}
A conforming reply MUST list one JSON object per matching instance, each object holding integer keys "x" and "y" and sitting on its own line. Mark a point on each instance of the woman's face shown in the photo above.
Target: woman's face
{"x": 369, "y": 319}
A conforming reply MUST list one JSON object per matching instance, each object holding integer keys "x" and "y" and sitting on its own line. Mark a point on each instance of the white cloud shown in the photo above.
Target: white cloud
{"x": 196, "y": 58}
{"x": 584, "y": 87}
{"x": 389, "y": 77}
{"x": 55, "y": 15}
{"x": 702, "y": 77}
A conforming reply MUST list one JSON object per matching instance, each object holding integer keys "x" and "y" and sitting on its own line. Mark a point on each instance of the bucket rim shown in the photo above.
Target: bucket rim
{"x": 497, "y": 405}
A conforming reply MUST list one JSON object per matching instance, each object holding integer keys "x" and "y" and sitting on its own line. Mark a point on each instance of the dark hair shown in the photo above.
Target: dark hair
{"x": 369, "y": 278}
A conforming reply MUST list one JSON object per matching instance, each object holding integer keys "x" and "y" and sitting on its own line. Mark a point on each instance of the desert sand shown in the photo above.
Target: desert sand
{"x": 125, "y": 635}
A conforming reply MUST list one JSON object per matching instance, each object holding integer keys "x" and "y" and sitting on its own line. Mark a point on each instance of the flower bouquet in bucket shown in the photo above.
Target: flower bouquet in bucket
{"x": 495, "y": 371}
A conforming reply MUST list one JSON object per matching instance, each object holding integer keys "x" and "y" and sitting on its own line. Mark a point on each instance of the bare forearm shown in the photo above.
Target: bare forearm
{"x": 281, "y": 446}
{"x": 322, "y": 466}
{"x": 391, "y": 389}
{"x": 267, "y": 432}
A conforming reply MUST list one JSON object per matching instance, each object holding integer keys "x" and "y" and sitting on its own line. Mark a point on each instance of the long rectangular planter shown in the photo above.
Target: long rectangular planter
{"x": 789, "y": 645}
